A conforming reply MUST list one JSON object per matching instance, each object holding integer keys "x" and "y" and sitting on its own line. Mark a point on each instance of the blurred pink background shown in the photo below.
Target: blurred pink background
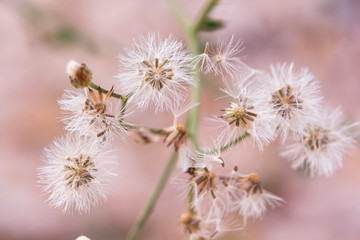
{"x": 39, "y": 37}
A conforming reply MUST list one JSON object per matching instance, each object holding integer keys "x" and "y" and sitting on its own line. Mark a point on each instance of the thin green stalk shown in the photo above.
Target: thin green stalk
{"x": 234, "y": 142}
{"x": 150, "y": 205}
{"x": 192, "y": 33}
{"x": 193, "y": 117}
{"x": 190, "y": 197}
{"x": 96, "y": 87}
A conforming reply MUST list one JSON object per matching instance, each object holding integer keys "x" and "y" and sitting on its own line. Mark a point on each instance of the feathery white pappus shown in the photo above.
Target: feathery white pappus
{"x": 248, "y": 111}
{"x": 254, "y": 200}
{"x": 76, "y": 173}
{"x": 320, "y": 148}
{"x": 156, "y": 71}
{"x": 223, "y": 58}
{"x": 92, "y": 115}
{"x": 294, "y": 95}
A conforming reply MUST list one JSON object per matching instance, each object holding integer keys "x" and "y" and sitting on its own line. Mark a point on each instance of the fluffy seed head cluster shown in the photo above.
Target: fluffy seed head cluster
{"x": 76, "y": 173}
{"x": 156, "y": 71}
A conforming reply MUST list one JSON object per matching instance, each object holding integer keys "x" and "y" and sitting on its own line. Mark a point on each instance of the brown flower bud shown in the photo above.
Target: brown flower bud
{"x": 79, "y": 74}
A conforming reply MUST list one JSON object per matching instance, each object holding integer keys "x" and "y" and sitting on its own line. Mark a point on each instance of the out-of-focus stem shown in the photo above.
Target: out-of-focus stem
{"x": 204, "y": 14}
{"x": 154, "y": 197}
{"x": 192, "y": 33}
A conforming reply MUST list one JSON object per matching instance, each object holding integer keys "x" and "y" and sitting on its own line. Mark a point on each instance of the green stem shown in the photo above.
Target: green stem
{"x": 96, "y": 87}
{"x": 192, "y": 33}
{"x": 190, "y": 197}
{"x": 233, "y": 142}
{"x": 193, "y": 117}
{"x": 150, "y": 205}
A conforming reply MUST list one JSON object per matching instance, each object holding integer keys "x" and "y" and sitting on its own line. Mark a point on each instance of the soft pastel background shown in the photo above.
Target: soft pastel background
{"x": 38, "y": 38}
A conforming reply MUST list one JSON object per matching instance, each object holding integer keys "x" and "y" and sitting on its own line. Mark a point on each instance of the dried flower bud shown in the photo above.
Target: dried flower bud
{"x": 79, "y": 74}
{"x": 176, "y": 135}
{"x": 143, "y": 136}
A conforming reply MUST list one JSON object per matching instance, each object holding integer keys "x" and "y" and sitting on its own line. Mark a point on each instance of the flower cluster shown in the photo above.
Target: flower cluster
{"x": 156, "y": 73}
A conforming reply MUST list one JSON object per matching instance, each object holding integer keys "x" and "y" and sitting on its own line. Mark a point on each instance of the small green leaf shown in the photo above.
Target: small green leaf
{"x": 211, "y": 25}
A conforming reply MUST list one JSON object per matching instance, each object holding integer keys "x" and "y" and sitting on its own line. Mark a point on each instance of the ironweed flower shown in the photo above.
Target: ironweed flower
{"x": 156, "y": 71}
{"x": 76, "y": 173}
{"x": 321, "y": 146}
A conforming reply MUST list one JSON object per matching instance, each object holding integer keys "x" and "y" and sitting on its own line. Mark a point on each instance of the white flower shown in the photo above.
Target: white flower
{"x": 322, "y": 145}
{"x": 92, "y": 116}
{"x": 294, "y": 96}
{"x": 76, "y": 173}
{"x": 156, "y": 71}
{"x": 248, "y": 112}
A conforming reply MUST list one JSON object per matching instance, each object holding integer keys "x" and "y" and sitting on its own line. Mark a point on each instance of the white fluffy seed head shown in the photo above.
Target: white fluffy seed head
{"x": 294, "y": 95}
{"x": 156, "y": 72}
{"x": 90, "y": 116}
{"x": 320, "y": 147}
{"x": 248, "y": 111}
{"x": 76, "y": 173}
